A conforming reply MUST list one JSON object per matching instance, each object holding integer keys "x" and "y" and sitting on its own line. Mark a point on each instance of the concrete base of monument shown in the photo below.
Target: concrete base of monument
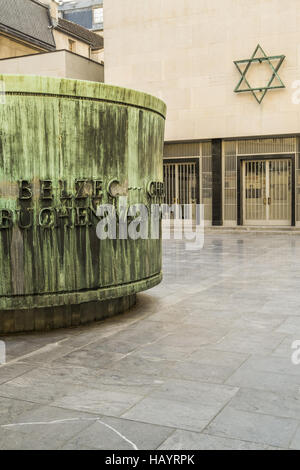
{"x": 48, "y": 318}
{"x": 31, "y": 313}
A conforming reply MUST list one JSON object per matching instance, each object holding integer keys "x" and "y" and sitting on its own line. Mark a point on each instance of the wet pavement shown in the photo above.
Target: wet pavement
{"x": 204, "y": 361}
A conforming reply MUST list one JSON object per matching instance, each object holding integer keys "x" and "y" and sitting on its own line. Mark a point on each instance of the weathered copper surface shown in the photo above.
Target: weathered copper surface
{"x": 62, "y": 144}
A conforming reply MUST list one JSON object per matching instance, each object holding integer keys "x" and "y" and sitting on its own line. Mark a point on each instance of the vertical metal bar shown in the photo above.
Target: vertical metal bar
{"x": 189, "y": 183}
{"x": 258, "y": 187}
{"x": 277, "y": 191}
{"x": 170, "y": 176}
{"x": 169, "y": 186}
{"x": 252, "y": 190}
{"x": 189, "y": 194}
{"x": 280, "y": 190}
{"x": 181, "y": 168}
{"x": 183, "y": 184}
{"x": 170, "y": 183}
{"x": 249, "y": 190}
{"x": 180, "y": 184}
{"x": 171, "y": 170}
{"x": 186, "y": 183}
{"x": 245, "y": 183}
{"x": 281, "y": 181}
{"x": 266, "y": 189}
{"x": 254, "y": 216}
{"x": 290, "y": 191}
{"x": 286, "y": 195}
{"x": 174, "y": 183}
{"x": 285, "y": 190}
{"x": 269, "y": 185}
{"x": 166, "y": 180}
{"x": 280, "y": 196}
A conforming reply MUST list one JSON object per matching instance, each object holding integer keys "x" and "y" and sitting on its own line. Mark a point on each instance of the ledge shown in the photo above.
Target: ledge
{"x": 26, "y": 302}
{"x": 81, "y": 89}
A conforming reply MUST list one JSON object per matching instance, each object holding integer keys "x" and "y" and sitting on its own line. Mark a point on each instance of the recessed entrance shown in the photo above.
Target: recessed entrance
{"x": 267, "y": 192}
{"x": 181, "y": 183}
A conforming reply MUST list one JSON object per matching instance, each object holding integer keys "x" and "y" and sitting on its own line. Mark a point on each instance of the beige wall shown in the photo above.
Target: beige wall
{"x": 183, "y": 51}
{"x": 98, "y": 56}
{"x": 62, "y": 42}
{"x": 62, "y": 64}
{"x": 83, "y": 69}
{"x": 11, "y": 48}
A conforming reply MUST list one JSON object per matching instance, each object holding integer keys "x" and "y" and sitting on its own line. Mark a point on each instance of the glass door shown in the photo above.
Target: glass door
{"x": 181, "y": 184}
{"x": 255, "y": 193}
{"x": 267, "y": 192}
{"x": 280, "y": 192}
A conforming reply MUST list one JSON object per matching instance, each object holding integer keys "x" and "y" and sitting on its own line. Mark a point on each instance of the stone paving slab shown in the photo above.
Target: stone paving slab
{"x": 99, "y": 436}
{"x": 253, "y": 427}
{"x": 187, "y": 440}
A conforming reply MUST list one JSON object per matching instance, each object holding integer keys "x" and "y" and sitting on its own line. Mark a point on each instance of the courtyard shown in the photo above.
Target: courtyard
{"x": 204, "y": 360}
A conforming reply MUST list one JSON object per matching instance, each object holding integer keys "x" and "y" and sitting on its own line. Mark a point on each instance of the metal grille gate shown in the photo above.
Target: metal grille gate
{"x": 267, "y": 192}
{"x": 180, "y": 183}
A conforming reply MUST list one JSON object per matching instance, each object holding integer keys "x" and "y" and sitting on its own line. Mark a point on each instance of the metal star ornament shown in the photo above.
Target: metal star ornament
{"x": 262, "y": 57}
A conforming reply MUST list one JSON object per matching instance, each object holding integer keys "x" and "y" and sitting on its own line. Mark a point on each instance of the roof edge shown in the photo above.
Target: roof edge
{"x": 27, "y": 38}
{"x": 80, "y": 38}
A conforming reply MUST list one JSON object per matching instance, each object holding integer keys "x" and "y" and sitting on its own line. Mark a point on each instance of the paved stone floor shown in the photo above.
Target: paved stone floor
{"x": 202, "y": 362}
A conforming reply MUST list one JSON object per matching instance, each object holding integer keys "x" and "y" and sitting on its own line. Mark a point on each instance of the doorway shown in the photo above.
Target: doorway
{"x": 267, "y": 192}
{"x": 181, "y": 181}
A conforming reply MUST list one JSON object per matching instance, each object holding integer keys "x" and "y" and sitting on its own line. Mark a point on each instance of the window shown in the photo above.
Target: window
{"x": 72, "y": 45}
{"x": 98, "y": 15}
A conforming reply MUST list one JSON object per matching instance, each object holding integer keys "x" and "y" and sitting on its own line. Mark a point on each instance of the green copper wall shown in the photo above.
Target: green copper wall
{"x": 53, "y": 134}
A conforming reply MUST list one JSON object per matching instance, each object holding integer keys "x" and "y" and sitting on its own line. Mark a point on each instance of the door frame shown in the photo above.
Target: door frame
{"x": 240, "y": 188}
{"x": 188, "y": 160}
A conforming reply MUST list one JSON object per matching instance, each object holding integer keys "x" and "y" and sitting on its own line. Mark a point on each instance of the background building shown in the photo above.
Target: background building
{"x": 34, "y": 40}
{"x": 223, "y": 149}
{"x": 87, "y": 13}
{"x": 25, "y": 28}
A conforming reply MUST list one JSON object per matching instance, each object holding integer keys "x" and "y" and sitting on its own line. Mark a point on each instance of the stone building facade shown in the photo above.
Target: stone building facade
{"x": 230, "y": 75}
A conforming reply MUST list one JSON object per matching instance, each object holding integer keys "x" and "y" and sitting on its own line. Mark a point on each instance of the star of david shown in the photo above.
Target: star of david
{"x": 259, "y": 56}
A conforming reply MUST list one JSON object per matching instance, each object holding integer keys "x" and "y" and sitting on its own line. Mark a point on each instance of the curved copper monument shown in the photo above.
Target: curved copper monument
{"x": 66, "y": 148}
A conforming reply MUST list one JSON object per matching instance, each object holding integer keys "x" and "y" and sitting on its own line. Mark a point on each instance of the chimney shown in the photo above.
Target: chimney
{"x": 53, "y": 6}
